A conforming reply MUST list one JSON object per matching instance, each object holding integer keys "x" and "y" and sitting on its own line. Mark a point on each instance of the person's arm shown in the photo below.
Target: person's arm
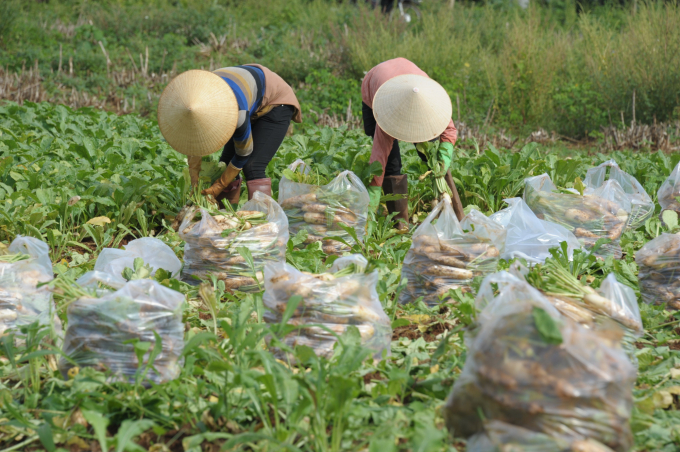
{"x": 450, "y": 134}
{"x": 382, "y": 145}
{"x": 243, "y": 143}
{"x": 194, "y": 168}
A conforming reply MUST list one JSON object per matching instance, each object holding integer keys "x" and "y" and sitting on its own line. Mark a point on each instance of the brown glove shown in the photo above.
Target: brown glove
{"x": 225, "y": 179}
{"x": 194, "y": 168}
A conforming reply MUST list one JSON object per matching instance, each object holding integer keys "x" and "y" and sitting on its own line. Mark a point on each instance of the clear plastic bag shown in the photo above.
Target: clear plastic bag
{"x": 329, "y": 305}
{"x": 602, "y": 212}
{"x": 670, "y": 191}
{"x": 101, "y": 331}
{"x": 642, "y": 206}
{"x": 502, "y": 437}
{"x": 21, "y": 302}
{"x": 527, "y": 236}
{"x": 529, "y": 366}
{"x": 658, "y": 268}
{"x": 447, "y": 255}
{"x": 320, "y": 210}
{"x": 208, "y": 251}
{"x": 113, "y": 261}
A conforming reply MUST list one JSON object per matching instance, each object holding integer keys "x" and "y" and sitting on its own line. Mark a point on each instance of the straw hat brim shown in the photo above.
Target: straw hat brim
{"x": 197, "y": 113}
{"x": 412, "y": 108}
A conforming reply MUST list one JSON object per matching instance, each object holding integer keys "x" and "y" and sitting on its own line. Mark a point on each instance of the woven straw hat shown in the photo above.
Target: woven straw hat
{"x": 197, "y": 113}
{"x": 412, "y": 108}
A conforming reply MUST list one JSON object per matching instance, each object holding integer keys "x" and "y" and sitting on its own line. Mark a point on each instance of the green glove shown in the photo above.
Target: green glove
{"x": 374, "y": 193}
{"x": 445, "y": 154}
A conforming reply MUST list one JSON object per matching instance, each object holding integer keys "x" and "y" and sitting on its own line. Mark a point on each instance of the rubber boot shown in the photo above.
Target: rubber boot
{"x": 232, "y": 193}
{"x": 397, "y": 185}
{"x": 263, "y": 185}
{"x": 455, "y": 199}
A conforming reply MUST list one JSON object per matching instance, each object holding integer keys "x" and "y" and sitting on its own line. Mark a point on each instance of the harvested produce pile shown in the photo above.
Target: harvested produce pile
{"x": 346, "y": 296}
{"x": 642, "y": 206}
{"x": 602, "y": 213}
{"x": 220, "y": 243}
{"x": 23, "y": 265}
{"x": 529, "y": 366}
{"x": 670, "y": 191}
{"x": 102, "y": 330}
{"x": 447, "y": 255}
{"x": 659, "y": 266}
{"x": 321, "y": 210}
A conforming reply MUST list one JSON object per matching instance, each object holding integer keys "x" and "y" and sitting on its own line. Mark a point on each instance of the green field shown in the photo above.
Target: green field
{"x": 231, "y": 391}
{"x": 100, "y": 174}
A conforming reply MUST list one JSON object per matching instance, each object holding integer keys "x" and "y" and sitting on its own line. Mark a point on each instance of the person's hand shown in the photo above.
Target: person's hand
{"x": 445, "y": 154}
{"x": 220, "y": 184}
{"x": 374, "y": 193}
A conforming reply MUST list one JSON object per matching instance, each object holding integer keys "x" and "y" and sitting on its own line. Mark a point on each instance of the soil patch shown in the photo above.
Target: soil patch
{"x": 413, "y": 332}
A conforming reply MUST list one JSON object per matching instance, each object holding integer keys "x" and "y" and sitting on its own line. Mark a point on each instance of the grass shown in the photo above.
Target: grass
{"x": 545, "y": 67}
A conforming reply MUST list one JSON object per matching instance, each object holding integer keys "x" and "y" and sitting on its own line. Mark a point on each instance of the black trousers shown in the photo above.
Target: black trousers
{"x": 393, "y": 165}
{"x": 268, "y": 134}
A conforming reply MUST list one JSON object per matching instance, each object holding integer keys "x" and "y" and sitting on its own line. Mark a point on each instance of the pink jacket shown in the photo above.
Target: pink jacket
{"x": 382, "y": 142}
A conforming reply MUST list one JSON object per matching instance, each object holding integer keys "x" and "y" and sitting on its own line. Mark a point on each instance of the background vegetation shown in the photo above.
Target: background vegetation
{"x": 545, "y": 67}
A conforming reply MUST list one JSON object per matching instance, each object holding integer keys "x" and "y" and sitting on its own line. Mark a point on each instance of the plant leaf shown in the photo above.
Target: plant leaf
{"x": 547, "y": 327}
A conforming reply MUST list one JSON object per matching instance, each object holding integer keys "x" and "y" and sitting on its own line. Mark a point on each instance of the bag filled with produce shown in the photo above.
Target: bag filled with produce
{"x": 224, "y": 243}
{"x": 321, "y": 209}
{"x": 527, "y": 236}
{"x": 591, "y": 308}
{"x": 603, "y": 212}
{"x": 23, "y": 265}
{"x": 658, "y": 269}
{"x": 331, "y": 303}
{"x": 501, "y": 437}
{"x": 529, "y": 366}
{"x": 642, "y": 206}
{"x": 112, "y": 262}
{"x": 447, "y": 254}
{"x": 103, "y": 327}
{"x": 669, "y": 192}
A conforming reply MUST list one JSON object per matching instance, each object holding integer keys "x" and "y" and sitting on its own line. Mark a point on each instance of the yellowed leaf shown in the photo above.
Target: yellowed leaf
{"x": 417, "y": 318}
{"x": 434, "y": 369}
{"x": 99, "y": 221}
{"x": 675, "y": 390}
{"x": 213, "y": 399}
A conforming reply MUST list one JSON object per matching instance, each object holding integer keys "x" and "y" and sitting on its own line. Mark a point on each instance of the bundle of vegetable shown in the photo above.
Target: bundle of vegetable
{"x": 105, "y": 328}
{"x": 659, "y": 265}
{"x": 669, "y": 192}
{"x": 589, "y": 307}
{"x": 603, "y": 212}
{"x": 331, "y": 302}
{"x": 447, "y": 255}
{"x": 501, "y": 437}
{"x": 529, "y": 366}
{"x": 321, "y": 211}
{"x": 437, "y": 167}
{"x": 234, "y": 246}
{"x": 23, "y": 265}
{"x": 642, "y": 206}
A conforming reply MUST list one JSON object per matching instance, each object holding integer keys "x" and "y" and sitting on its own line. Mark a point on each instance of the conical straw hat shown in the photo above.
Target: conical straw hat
{"x": 412, "y": 108}
{"x": 197, "y": 113}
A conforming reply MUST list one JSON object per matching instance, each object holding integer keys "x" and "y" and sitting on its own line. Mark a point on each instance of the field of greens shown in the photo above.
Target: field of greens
{"x": 87, "y": 180}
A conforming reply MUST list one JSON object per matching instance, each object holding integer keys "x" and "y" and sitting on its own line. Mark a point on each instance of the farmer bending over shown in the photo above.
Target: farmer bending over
{"x": 247, "y": 107}
{"x": 409, "y": 106}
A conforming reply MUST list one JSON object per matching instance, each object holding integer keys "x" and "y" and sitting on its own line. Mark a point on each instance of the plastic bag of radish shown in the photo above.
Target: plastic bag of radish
{"x": 221, "y": 243}
{"x": 322, "y": 210}
{"x": 331, "y": 302}
{"x": 447, "y": 254}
